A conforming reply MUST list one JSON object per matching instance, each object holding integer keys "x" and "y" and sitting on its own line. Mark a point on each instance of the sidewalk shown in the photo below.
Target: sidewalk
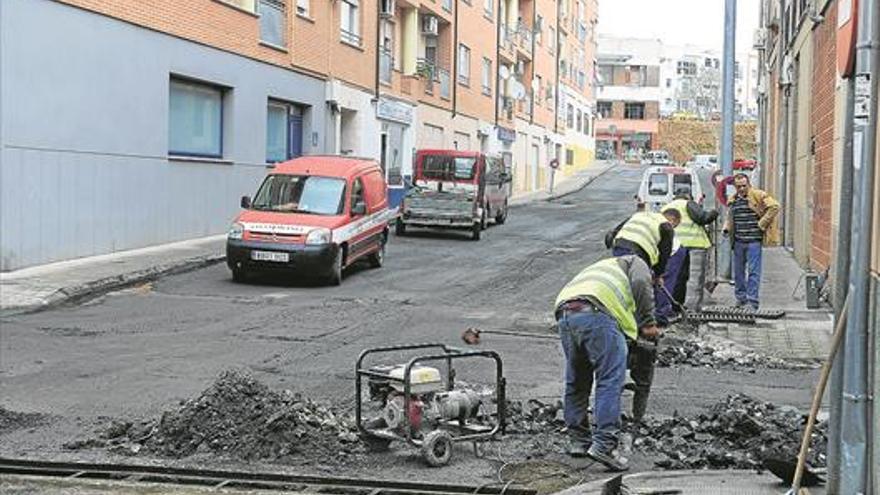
{"x": 570, "y": 185}
{"x": 40, "y": 287}
{"x": 803, "y": 334}
{"x": 724, "y": 482}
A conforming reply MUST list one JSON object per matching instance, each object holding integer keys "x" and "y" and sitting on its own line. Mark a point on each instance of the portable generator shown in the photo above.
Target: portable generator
{"x": 416, "y": 404}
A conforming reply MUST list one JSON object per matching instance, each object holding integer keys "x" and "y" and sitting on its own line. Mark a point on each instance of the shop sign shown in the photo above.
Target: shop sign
{"x": 389, "y": 109}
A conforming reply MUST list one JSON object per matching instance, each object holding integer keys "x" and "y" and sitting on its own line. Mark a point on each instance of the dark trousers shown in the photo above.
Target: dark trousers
{"x": 677, "y": 263}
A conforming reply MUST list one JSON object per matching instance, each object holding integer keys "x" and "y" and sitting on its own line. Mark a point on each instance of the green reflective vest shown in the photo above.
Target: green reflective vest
{"x": 606, "y": 282}
{"x": 643, "y": 228}
{"x": 688, "y": 233}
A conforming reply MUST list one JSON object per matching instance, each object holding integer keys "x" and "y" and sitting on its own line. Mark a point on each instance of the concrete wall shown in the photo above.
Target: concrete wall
{"x": 84, "y": 119}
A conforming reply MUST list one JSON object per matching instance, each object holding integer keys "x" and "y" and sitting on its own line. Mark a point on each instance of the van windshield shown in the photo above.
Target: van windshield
{"x": 658, "y": 184}
{"x": 445, "y": 167}
{"x": 301, "y": 194}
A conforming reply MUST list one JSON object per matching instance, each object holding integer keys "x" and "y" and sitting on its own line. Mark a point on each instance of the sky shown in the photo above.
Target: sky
{"x": 678, "y": 22}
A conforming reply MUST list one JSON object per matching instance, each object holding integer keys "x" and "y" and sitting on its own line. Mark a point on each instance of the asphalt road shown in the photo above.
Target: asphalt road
{"x": 138, "y": 352}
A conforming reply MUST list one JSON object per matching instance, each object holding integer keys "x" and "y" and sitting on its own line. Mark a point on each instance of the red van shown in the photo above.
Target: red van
{"x": 456, "y": 189}
{"x": 313, "y": 215}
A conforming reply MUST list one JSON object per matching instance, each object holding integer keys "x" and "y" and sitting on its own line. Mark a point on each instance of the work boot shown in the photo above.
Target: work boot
{"x": 610, "y": 459}
{"x": 578, "y": 448}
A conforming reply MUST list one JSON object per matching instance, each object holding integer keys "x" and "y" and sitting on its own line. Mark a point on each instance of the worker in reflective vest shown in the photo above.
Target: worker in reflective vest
{"x": 604, "y": 306}
{"x": 647, "y": 235}
{"x": 691, "y": 235}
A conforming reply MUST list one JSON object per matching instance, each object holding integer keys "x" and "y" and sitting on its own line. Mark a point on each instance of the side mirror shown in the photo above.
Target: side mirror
{"x": 245, "y": 201}
{"x": 359, "y": 209}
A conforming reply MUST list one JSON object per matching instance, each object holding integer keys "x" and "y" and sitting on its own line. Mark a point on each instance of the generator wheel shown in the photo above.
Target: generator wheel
{"x": 437, "y": 448}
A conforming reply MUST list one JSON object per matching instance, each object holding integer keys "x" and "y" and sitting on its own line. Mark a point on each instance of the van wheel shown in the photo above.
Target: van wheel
{"x": 377, "y": 259}
{"x": 502, "y": 215}
{"x": 238, "y": 275}
{"x": 399, "y": 228}
{"x": 338, "y": 262}
{"x": 476, "y": 231}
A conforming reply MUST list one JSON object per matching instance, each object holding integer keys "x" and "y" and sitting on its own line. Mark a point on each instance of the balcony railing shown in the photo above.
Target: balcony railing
{"x": 386, "y": 63}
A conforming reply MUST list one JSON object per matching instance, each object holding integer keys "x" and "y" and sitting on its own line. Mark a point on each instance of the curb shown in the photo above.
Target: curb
{"x": 95, "y": 288}
{"x": 580, "y": 187}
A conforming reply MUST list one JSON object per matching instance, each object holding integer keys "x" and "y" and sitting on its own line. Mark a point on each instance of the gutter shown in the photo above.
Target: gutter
{"x": 556, "y": 50}
{"x": 378, "y": 48}
{"x": 498, "y": 61}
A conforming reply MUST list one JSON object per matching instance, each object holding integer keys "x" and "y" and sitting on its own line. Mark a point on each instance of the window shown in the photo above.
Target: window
{"x": 686, "y": 68}
{"x": 606, "y": 74}
{"x": 681, "y": 184}
{"x": 357, "y": 193}
{"x": 447, "y": 5}
{"x": 569, "y": 157}
{"x": 635, "y": 111}
{"x": 569, "y": 120}
{"x": 580, "y": 120}
{"x": 708, "y": 63}
{"x": 487, "y": 76}
{"x": 582, "y": 79}
{"x": 283, "y": 131}
{"x": 539, "y": 29}
{"x": 302, "y": 7}
{"x": 445, "y": 167}
{"x": 272, "y": 21}
{"x": 658, "y": 184}
{"x": 551, "y": 43}
{"x": 302, "y": 194}
{"x": 350, "y": 28}
{"x": 668, "y": 82}
{"x": 603, "y": 108}
{"x": 195, "y": 114}
{"x": 587, "y": 121}
{"x": 464, "y": 65}
{"x": 488, "y": 7}
{"x": 539, "y": 90}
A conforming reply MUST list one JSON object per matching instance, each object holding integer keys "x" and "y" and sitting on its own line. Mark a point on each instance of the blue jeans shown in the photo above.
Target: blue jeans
{"x": 593, "y": 345}
{"x": 747, "y": 272}
{"x": 663, "y": 304}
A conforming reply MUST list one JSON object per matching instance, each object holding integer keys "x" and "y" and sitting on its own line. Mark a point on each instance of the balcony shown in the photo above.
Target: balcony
{"x": 524, "y": 41}
{"x": 435, "y": 81}
{"x": 386, "y": 63}
{"x": 506, "y": 50}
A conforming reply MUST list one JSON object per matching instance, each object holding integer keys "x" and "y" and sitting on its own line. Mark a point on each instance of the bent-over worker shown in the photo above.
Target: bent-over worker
{"x": 606, "y": 304}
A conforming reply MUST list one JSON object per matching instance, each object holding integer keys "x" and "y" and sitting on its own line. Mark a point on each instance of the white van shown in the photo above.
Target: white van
{"x": 660, "y": 185}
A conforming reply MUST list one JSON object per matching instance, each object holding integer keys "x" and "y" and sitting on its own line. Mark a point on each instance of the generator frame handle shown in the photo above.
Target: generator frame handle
{"x": 448, "y": 354}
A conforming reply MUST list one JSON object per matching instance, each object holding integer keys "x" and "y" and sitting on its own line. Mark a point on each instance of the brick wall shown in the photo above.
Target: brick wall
{"x": 822, "y": 132}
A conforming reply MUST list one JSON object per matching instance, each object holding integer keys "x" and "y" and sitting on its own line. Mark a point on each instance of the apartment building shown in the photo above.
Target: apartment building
{"x": 690, "y": 77}
{"x": 181, "y": 106}
{"x": 629, "y": 96}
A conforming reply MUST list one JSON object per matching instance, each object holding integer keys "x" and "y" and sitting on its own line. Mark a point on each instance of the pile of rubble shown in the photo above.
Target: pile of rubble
{"x": 736, "y": 433}
{"x": 534, "y": 416}
{"x": 693, "y": 352}
{"x": 239, "y": 417}
{"x": 13, "y": 420}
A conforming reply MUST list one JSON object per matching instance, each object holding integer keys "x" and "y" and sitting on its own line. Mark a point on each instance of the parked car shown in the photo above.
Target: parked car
{"x": 314, "y": 215}
{"x": 703, "y": 162}
{"x": 456, "y": 190}
{"x": 660, "y": 185}
{"x": 656, "y": 158}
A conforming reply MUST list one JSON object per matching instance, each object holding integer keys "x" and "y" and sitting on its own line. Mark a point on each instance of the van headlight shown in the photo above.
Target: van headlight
{"x": 318, "y": 236}
{"x": 236, "y": 231}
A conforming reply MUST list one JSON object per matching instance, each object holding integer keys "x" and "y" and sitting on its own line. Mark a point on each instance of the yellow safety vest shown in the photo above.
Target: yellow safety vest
{"x": 688, "y": 233}
{"x": 606, "y": 282}
{"x": 643, "y": 228}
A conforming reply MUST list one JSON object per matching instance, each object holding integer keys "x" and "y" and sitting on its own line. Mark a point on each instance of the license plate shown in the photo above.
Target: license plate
{"x": 270, "y": 256}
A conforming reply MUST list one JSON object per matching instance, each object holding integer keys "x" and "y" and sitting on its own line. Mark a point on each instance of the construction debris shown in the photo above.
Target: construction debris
{"x": 14, "y": 420}
{"x": 718, "y": 354}
{"x": 239, "y": 417}
{"x": 534, "y": 416}
{"x": 736, "y": 433}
